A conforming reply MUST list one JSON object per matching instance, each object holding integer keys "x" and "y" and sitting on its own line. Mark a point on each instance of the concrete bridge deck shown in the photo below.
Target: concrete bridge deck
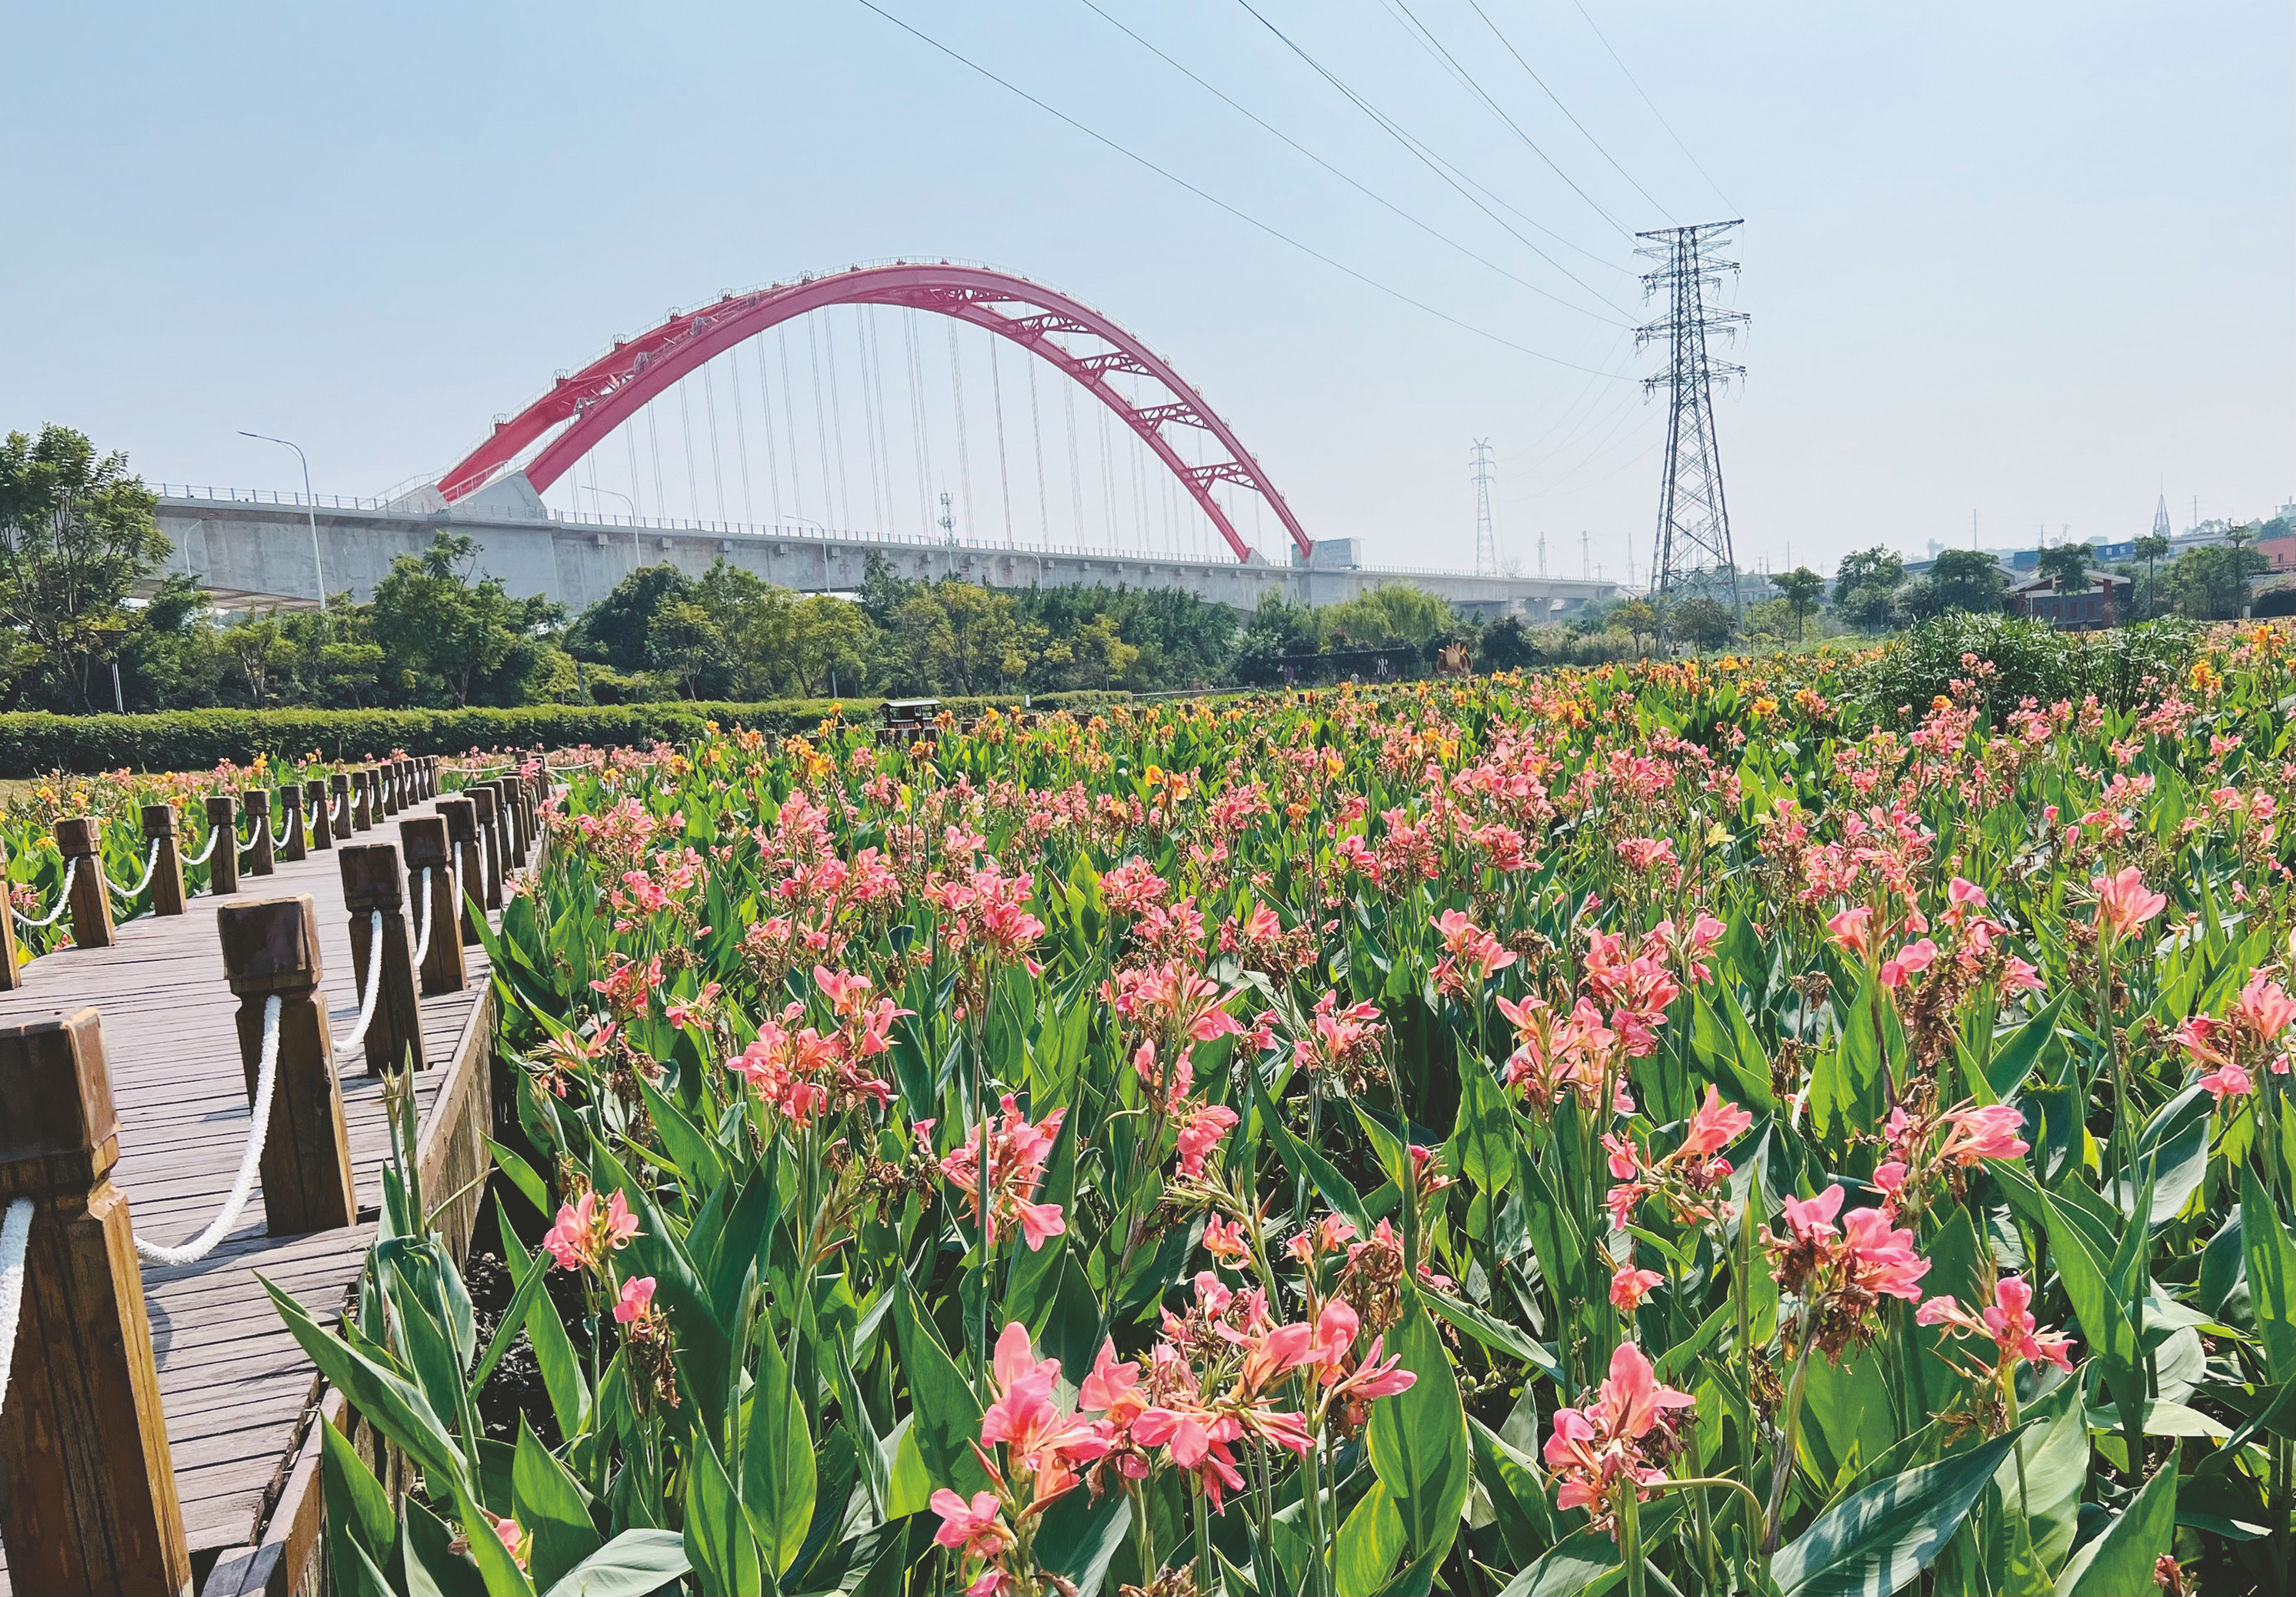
{"x": 253, "y": 555}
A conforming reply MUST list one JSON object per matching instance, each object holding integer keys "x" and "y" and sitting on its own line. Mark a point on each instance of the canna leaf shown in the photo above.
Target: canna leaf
{"x": 545, "y": 1500}
{"x": 2121, "y": 1560}
{"x": 777, "y": 1464}
{"x": 1878, "y": 1540}
{"x": 1418, "y": 1438}
{"x": 632, "y": 1564}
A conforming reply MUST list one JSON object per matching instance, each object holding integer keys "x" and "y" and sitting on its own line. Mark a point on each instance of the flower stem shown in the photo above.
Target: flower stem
{"x": 1788, "y": 1441}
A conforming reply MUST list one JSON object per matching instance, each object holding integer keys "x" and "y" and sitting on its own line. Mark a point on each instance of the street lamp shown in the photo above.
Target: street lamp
{"x": 310, "y": 507}
{"x": 637, "y": 553}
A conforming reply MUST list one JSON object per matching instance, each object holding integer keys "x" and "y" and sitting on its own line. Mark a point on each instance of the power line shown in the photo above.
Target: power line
{"x": 1654, "y": 111}
{"x": 1442, "y": 50}
{"x": 1175, "y": 178}
{"x": 1369, "y": 193}
{"x": 1441, "y": 167}
{"x": 1532, "y": 73}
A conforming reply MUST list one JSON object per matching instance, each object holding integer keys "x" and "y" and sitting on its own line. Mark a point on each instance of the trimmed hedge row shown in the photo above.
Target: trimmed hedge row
{"x": 34, "y": 743}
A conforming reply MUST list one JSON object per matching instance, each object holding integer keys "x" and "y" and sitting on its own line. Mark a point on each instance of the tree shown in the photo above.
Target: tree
{"x": 1967, "y": 579}
{"x": 1392, "y": 613}
{"x": 1875, "y": 568}
{"x": 2150, "y": 548}
{"x": 1505, "y": 645}
{"x": 613, "y": 631}
{"x": 1701, "y": 622}
{"x": 1636, "y": 618}
{"x": 1093, "y": 655}
{"x": 442, "y": 635}
{"x": 1870, "y": 606}
{"x": 75, "y": 533}
{"x": 828, "y": 641}
{"x": 2068, "y": 563}
{"x": 684, "y": 641}
{"x": 1802, "y": 590}
{"x": 1277, "y": 635}
{"x": 2211, "y": 583}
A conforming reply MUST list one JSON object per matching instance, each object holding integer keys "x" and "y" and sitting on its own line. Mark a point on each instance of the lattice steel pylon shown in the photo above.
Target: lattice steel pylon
{"x": 1487, "y": 539}
{"x": 1691, "y": 553}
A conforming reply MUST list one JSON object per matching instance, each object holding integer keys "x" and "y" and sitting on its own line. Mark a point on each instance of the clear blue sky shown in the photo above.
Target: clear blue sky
{"x": 2031, "y": 260}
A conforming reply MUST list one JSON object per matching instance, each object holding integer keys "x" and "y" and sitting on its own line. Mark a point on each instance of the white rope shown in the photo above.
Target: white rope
{"x": 315, "y": 816}
{"x": 149, "y": 865}
{"x": 201, "y": 858}
{"x": 267, "y": 1071}
{"x": 262, "y": 826}
{"x": 15, "y": 1231}
{"x": 351, "y": 1044}
{"x": 63, "y": 901}
{"x": 423, "y": 916}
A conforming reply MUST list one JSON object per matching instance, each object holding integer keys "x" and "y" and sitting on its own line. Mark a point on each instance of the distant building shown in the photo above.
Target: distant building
{"x": 2101, "y": 604}
{"x": 2279, "y": 554}
{"x": 2161, "y": 528}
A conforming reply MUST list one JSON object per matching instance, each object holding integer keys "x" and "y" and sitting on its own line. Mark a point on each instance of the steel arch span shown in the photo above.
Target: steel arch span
{"x": 581, "y": 409}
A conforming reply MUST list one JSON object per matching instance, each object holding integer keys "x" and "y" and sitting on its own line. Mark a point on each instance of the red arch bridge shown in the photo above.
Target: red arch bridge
{"x": 583, "y": 407}
{"x": 253, "y": 551}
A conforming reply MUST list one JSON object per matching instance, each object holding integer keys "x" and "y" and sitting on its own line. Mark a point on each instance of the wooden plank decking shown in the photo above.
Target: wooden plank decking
{"x": 237, "y": 1389}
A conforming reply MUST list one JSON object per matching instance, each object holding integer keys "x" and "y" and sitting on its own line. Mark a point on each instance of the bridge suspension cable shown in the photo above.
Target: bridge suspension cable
{"x": 741, "y": 430}
{"x": 963, "y": 453}
{"x": 1036, "y": 434}
{"x": 685, "y": 437}
{"x": 909, "y": 346}
{"x": 837, "y": 421}
{"x": 1003, "y": 477}
{"x": 710, "y": 408}
{"x": 766, "y": 425}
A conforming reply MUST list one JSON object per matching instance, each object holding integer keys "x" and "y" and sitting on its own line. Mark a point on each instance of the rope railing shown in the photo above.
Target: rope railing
{"x": 421, "y": 916}
{"x": 352, "y": 1043}
{"x": 208, "y": 853}
{"x": 64, "y": 902}
{"x": 262, "y": 828}
{"x": 149, "y": 865}
{"x": 15, "y": 1233}
{"x": 250, "y": 1160}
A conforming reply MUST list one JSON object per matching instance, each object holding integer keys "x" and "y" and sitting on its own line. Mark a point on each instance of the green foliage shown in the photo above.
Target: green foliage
{"x": 1877, "y": 568}
{"x": 2123, "y": 666}
{"x": 447, "y": 637}
{"x": 76, "y": 532}
{"x": 34, "y": 742}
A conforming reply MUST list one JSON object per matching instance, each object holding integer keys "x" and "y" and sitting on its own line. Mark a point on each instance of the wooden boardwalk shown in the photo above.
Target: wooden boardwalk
{"x": 238, "y": 1394}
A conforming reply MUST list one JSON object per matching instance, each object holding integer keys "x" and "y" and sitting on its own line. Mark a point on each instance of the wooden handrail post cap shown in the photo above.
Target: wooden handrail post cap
{"x": 91, "y": 1502}
{"x": 462, "y": 817}
{"x": 271, "y": 945}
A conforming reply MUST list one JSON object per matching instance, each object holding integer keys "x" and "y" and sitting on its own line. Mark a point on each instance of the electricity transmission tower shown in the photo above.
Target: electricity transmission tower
{"x": 1691, "y": 553}
{"x": 1487, "y": 541}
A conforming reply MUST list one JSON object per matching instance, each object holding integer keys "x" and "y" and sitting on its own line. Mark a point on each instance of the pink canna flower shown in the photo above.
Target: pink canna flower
{"x": 1223, "y": 1239}
{"x": 2227, "y": 1080}
{"x": 2124, "y": 904}
{"x": 1852, "y": 931}
{"x": 1202, "y": 1133}
{"x": 1602, "y": 1443}
{"x": 1980, "y": 1133}
{"x": 583, "y": 1235}
{"x": 1630, "y": 1286}
{"x": 1713, "y": 1128}
{"x": 1909, "y": 961}
{"x": 977, "y": 1527}
{"x": 2007, "y": 1320}
{"x": 637, "y": 1296}
{"x": 2264, "y": 1007}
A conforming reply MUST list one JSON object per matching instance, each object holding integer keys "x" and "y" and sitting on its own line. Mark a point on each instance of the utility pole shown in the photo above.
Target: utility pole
{"x": 1542, "y": 551}
{"x": 1586, "y": 558}
{"x": 1973, "y": 529}
{"x": 1486, "y": 542}
{"x": 1691, "y": 553}
{"x": 948, "y": 520}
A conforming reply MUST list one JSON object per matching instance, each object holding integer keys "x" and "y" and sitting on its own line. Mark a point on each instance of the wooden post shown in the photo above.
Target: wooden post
{"x": 389, "y": 770}
{"x": 508, "y": 822}
{"x": 489, "y": 841}
{"x": 461, "y": 818}
{"x": 422, "y": 840}
{"x": 223, "y": 860}
{"x": 257, "y": 803}
{"x": 294, "y": 838}
{"x": 90, "y": 1504}
{"x": 315, "y": 800}
{"x": 362, "y": 797}
{"x": 168, "y": 870}
{"x": 271, "y": 945}
{"x": 11, "y": 973}
{"x": 433, "y": 765}
{"x": 371, "y": 883}
{"x": 340, "y": 785}
{"x": 79, "y": 839}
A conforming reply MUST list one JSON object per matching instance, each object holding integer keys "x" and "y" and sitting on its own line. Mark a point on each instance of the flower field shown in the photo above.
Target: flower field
{"x": 1636, "y": 1130}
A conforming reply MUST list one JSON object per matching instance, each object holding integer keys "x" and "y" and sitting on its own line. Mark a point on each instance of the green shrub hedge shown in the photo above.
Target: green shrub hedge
{"x": 197, "y": 739}
{"x": 2122, "y": 665}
